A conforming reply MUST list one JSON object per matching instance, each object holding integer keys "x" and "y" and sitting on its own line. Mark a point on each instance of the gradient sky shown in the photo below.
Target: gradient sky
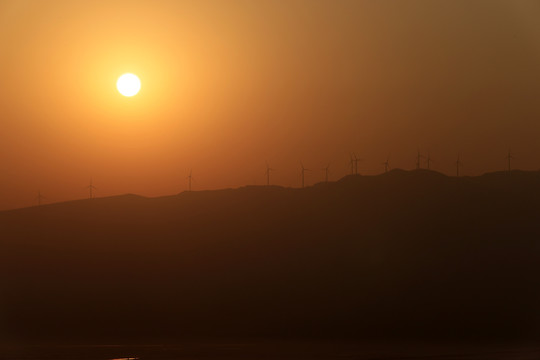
{"x": 227, "y": 85}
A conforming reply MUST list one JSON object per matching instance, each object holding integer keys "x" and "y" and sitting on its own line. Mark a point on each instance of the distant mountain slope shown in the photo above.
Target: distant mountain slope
{"x": 402, "y": 254}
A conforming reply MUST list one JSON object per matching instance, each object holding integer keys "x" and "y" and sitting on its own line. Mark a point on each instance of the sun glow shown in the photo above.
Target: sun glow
{"x": 128, "y": 85}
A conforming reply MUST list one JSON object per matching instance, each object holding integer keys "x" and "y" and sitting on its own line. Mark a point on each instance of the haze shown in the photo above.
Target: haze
{"x": 230, "y": 85}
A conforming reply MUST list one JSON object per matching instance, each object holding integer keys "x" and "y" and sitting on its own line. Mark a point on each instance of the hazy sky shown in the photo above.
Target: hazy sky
{"x": 227, "y": 85}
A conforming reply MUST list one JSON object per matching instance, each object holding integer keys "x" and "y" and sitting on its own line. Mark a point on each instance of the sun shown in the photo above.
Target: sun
{"x": 128, "y": 85}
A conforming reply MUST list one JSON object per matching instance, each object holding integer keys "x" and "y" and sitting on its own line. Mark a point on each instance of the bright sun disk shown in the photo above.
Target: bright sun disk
{"x": 128, "y": 84}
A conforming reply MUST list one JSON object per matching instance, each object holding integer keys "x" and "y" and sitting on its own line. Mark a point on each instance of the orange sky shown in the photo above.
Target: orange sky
{"x": 227, "y": 85}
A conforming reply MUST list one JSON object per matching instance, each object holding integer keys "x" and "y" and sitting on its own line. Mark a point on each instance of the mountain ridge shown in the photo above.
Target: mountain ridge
{"x": 418, "y": 174}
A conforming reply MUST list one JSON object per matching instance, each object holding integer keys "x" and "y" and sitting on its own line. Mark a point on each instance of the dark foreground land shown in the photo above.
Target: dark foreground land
{"x": 404, "y": 257}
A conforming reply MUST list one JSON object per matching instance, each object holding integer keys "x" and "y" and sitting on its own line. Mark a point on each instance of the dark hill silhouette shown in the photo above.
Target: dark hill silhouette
{"x": 400, "y": 255}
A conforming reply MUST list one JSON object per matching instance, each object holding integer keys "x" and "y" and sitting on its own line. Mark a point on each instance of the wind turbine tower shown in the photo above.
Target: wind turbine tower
{"x": 326, "y": 171}
{"x": 459, "y": 164}
{"x": 418, "y": 159}
{"x": 356, "y": 160}
{"x": 190, "y": 177}
{"x": 268, "y": 170}
{"x": 510, "y": 157}
{"x": 428, "y": 161}
{"x": 91, "y": 189}
{"x": 386, "y": 164}
{"x": 39, "y": 198}
{"x": 303, "y": 173}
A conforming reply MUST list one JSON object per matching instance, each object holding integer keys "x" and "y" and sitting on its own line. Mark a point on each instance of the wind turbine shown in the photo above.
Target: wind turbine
{"x": 303, "y": 173}
{"x": 459, "y": 164}
{"x": 351, "y": 162}
{"x": 386, "y": 164}
{"x": 190, "y": 178}
{"x": 326, "y": 171}
{"x": 39, "y": 198}
{"x": 268, "y": 169}
{"x": 428, "y": 161}
{"x": 418, "y": 158}
{"x": 91, "y": 188}
{"x": 510, "y": 157}
{"x": 356, "y": 160}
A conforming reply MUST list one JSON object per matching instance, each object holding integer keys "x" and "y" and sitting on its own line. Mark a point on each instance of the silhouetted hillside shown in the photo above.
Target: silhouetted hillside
{"x": 403, "y": 254}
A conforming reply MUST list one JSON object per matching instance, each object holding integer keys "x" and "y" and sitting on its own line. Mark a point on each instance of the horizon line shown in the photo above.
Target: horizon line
{"x": 384, "y": 173}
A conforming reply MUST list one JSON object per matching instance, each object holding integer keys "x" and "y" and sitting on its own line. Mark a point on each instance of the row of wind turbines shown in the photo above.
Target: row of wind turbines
{"x": 353, "y": 164}
{"x": 90, "y": 188}
{"x": 354, "y": 160}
